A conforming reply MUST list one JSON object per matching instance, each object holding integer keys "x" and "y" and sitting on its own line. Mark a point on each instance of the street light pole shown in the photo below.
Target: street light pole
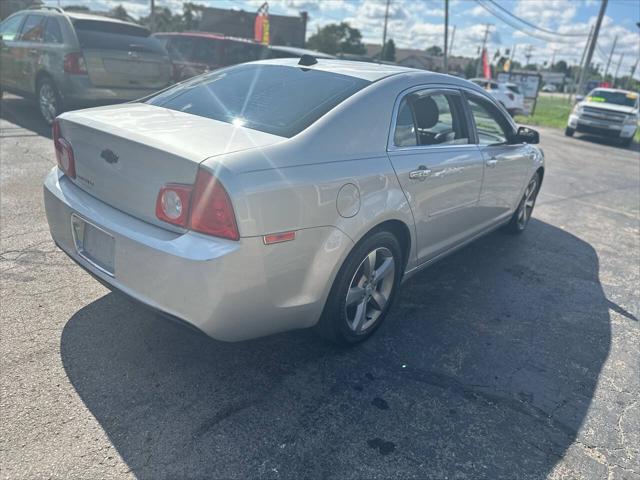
{"x": 384, "y": 31}
{"x": 613, "y": 49}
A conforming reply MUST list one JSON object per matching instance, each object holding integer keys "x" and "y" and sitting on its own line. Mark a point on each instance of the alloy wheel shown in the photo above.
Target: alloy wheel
{"x": 48, "y": 102}
{"x": 526, "y": 209}
{"x": 370, "y": 290}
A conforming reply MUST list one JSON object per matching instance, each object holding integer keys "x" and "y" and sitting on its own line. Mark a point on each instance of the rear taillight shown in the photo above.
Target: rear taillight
{"x": 64, "y": 151}
{"x": 173, "y": 204}
{"x": 74, "y": 63}
{"x": 204, "y": 207}
{"x": 211, "y": 209}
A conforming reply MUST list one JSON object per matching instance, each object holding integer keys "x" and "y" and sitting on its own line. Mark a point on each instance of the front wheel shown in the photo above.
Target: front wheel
{"x": 363, "y": 290}
{"x": 569, "y": 131}
{"x": 522, "y": 215}
{"x": 49, "y": 100}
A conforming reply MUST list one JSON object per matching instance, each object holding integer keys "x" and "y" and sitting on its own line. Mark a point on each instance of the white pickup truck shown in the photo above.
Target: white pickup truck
{"x": 606, "y": 112}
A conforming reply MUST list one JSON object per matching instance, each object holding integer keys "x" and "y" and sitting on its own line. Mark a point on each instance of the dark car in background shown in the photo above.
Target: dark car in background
{"x": 193, "y": 53}
{"x": 67, "y": 59}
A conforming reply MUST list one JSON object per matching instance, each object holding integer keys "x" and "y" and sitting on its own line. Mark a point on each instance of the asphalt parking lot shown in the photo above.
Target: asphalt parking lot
{"x": 515, "y": 358}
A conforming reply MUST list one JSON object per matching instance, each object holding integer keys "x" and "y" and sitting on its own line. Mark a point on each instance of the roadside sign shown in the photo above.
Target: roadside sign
{"x": 529, "y": 84}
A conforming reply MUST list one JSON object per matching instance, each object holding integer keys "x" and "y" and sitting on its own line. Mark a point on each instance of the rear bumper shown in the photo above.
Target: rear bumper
{"x": 229, "y": 290}
{"x": 79, "y": 91}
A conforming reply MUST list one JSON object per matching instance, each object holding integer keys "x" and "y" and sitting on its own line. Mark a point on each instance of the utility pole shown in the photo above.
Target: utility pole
{"x": 553, "y": 58}
{"x": 528, "y": 54}
{"x": 445, "y": 62}
{"x": 513, "y": 53}
{"x": 633, "y": 71}
{"x": 484, "y": 43}
{"x": 152, "y": 16}
{"x": 592, "y": 45}
{"x": 581, "y": 66}
{"x": 453, "y": 36}
{"x": 615, "y": 77}
{"x": 384, "y": 31}
{"x": 613, "y": 48}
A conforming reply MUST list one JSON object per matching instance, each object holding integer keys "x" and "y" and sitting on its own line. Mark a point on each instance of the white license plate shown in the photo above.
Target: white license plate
{"x": 94, "y": 244}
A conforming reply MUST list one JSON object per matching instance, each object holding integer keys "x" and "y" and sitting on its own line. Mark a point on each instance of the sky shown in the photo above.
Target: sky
{"x": 420, "y": 23}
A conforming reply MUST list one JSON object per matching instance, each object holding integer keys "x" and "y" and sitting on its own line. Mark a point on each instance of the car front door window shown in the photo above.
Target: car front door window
{"x": 9, "y": 28}
{"x": 490, "y": 128}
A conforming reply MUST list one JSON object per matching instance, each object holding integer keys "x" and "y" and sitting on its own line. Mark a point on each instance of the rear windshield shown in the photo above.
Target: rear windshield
{"x": 271, "y": 98}
{"x": 94, "y": 34}
{"x": 628, "y": 99}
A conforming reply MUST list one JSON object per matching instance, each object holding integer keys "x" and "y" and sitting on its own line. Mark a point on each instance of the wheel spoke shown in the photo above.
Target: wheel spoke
{"x": 369, "y": 264}
{"x": 383, "y": 270}
{"x": 355, "y": 295}
{"x": 360, "y": 316}
{"x": 378, "y": 299}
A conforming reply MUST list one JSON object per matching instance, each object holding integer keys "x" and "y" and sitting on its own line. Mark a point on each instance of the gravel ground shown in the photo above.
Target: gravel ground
{"x": 515, "y": 358}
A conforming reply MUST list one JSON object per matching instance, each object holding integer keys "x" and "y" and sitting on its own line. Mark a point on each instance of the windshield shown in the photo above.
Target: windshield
{"x": 271, "y": 98}
{"x": 627, "y": 99}
{"x": 514, "y": 88}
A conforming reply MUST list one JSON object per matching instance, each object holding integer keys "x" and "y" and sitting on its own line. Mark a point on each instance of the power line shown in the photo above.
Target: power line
{"x": 520, "y": 29}
{"x": 526, "y": 22}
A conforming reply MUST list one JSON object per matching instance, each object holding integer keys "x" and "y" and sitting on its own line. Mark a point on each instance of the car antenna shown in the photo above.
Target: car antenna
{"x": 307, "y": 60}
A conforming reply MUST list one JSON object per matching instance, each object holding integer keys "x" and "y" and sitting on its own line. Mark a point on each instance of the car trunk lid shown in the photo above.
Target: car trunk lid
{"x": 125, "y": 153}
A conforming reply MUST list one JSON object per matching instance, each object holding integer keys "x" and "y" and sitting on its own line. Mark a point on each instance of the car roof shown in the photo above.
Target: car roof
{"x": 100, "y": 18}
{"x": 300, "y": 51}
{"x": 363, "y": 70}
{"x": 212, "y": 35}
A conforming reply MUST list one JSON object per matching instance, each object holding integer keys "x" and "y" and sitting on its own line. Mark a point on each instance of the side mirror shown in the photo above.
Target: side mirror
{"x": 526, "y": 135}
{"x": 579, "y": 98}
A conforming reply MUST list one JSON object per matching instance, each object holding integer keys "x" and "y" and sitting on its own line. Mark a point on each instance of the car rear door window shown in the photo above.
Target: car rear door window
{"x": 52, "y": 33}
{"x": 491, "y": 126}
{"x": 431, "y": 119}
{"x": 33, "y": 28}
{"x": 275, "y": 99}
{"x": 9, "y": 28}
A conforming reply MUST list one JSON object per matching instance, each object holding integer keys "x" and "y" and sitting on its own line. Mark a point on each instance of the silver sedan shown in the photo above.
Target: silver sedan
{"x": 286, "y": 194}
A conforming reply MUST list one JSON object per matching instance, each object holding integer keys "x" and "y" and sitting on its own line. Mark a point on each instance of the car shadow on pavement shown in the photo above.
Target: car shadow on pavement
{"x": 25, "y": 114}
{"x": 485, "y": 369}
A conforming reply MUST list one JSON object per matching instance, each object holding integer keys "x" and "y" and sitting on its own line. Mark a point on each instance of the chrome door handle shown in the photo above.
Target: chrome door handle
{"x": 492, "y": 162}
{"x": 421, "y": 174}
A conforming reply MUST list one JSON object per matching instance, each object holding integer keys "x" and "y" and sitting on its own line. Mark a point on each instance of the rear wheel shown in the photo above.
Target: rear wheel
{"x": 522, "y": 215}
{"x": 49, "y": 100}
{"x": 569, "y": 131}
{"x": 363, "y": 291}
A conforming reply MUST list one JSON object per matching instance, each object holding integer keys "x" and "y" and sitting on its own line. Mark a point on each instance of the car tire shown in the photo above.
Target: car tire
{"x": 49, "y": 100}
{"x": 569, "y": 131}
{"x": 363, "y": 290}
{"x": 522, "y": 215}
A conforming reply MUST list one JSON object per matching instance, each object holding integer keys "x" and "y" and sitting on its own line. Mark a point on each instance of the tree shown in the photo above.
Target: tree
{"x": 389, "y": 51}
{"x": 337, "y": 38}
{"x": 561, "y": 66}
{"x": 164, "y": 21}
{"x": 120, "y": 13}
{"x": 435, "y": 51}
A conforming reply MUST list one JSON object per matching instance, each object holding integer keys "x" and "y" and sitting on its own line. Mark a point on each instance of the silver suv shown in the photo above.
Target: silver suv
{"x": 67, "y": 59}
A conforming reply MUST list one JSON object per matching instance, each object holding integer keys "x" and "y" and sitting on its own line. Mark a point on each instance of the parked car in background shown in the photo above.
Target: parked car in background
{"x": 67, "y": 59}
{"x": 508, "y": 94}
{"x": 549, "y": 88}
{"x": 606, "y": 112}
{"x": 193, "y": 53}
{"x": 267, "y": 196}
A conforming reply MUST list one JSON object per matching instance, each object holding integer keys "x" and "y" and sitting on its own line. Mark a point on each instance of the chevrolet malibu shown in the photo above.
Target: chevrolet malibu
{"x": 286, "y": 194}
